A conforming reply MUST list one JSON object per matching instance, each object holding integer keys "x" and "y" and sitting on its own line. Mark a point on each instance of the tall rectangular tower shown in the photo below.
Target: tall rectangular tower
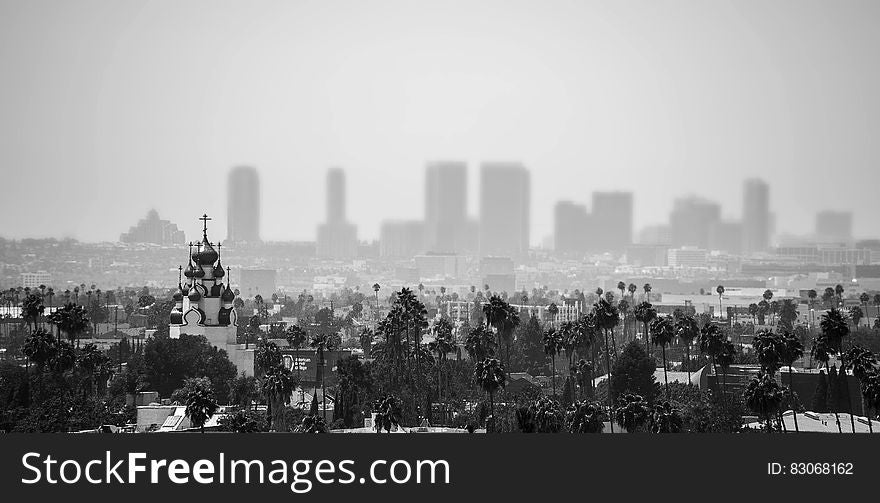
{"x": 446, "y": 206}
{"x": 243, "y": 205}
{"x": 756, "y": 216}
{"x": 504, "y": 209}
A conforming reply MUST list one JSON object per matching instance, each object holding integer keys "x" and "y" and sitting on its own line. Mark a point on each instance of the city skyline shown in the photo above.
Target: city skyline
{"x": 589, "y": 96}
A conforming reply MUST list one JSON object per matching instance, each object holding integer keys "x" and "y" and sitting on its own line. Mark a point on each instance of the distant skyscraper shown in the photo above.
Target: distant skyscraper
{"x": 834, "y": 226}
{"x": 756, "y": 216}
{"x": 611, "y": 222}
{"x": 243, "y": 205}
{"x": 335, "y": 195}
{"x": 504, "y": 209}
{"x": 570, "y": 227}
{"x": 691, "y": 221}
{"x": 401, "y": 239}
{"x": 337, "y": 238}
{"x": 726, "y": 236}
{"x": 446, "y": 207}
{"x": 153, "y": 229}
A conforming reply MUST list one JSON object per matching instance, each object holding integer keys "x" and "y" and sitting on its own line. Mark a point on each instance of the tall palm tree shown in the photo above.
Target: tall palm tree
{"x": 862, "y": 363}
{"x": 553, "y": 344}
{"x": 864, "y": 298}
{"x": 792, "y": 349}
{"x": 811, "y": 295}
{"x": 871, "y": 395}
{"x": 296, "y": 339}
{"x": 838, "y": 292}
{"x": 504, "y": 319}
{"x": 32, "y": 309}
{"x": 443, "y": 344}
{"x": 764, "y": 397}
{"x": 711, "y": 343}
{"x": 835, "y": 328}
{"x": 645, "y": 313}
{"x": 720, "y": 291}
{"x": 276, "y": 385}
{"x": 647, "y": 288}
{"x": 687, "y": 330}
{"x": 662, "y": 333}
{"x": 489, "y": 374}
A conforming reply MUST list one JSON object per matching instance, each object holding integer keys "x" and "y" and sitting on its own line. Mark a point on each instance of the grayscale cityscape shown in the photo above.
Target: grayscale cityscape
{"x": 286, "y": 217}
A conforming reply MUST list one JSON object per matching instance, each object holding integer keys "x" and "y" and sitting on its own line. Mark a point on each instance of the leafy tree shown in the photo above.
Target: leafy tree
{"x": 242, "y": 421}
{"x": 633, "y": 373}
{"x": 169, "y": 362}
{"x": 548, "y": 416}
{"x": 243, "y": 390}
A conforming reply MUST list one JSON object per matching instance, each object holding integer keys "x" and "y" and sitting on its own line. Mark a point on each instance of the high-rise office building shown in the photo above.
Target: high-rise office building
{"x": 153, "y": 229}
{"x": 570, "y": 228}
{"x": 611, "y": 222}
{"x": 401, "y": 239}
{"x": 834, "y": 226}
{"x": 504, "y": 209}
{"x": 335, "y": 195}
{"x": 243, "y": 205}
{"x": 446, "y": 207}
{"x": 756, "y": 216}
{"x": 691, "y": 221}
{"x": 337, "y": 238}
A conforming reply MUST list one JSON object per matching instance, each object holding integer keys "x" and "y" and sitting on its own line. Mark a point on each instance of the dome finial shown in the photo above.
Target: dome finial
{"x": 204, "y": 218}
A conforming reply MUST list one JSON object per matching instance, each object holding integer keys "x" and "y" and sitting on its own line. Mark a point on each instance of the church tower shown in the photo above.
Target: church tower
{"x": 203, "y": 305}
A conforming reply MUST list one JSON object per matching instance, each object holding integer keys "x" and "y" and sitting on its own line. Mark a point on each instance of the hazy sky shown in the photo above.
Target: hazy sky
{"x": 110, "y": 108}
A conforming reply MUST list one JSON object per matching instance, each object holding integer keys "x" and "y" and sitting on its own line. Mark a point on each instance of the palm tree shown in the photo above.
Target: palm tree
{"x": 647, "y": 288}
{"x": 442, "y": 345}
{"x": 871, "y": 395}
{"x": 553, "y": 309}
{"x": 665, "y": 419}
{"x": 835, "y": 328}
{"x": 811, "y": 295}
{"x": 632, "y": 412}
{"x": 856, "y": 314}
{"x": 71, "y": 319}
{"x": 838, "y": 292}
{"x": 725, "y": 359}
{"x": 553, "y": 344}
{"x": 687, "y": 330}
{"x": 585, "y": 417}
{"x": 792, "y": 349}
{"x": 764, "y": 397}
{"x": 622, "y": 287}
{"x": 862, "y": 363}
{"x": 489, "y": 374}
{"x": 200, "y": 402}
{"x": 864, "y": 298}
{"x": 645, "y": 313}
{"x": 503, "y": 318}
{"x": 720, "y": 291}
{"x": 276, "y": 385}
{"x": 662, "y": 333}
{"x": 296, "y": 338}
{"x": 631, "y": 288}
{"x": 711, "y": 343}
{"x": 32, "y": 309}
{"x": 387, "y": 411}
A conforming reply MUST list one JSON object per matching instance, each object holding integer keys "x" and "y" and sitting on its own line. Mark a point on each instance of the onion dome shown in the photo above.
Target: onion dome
{"x": 208, "y": 255}
{"x": 194, "y": 295}
{"x": 199, "y": 273}
{"x": 227, "y": 296}
{"x": 178, "y": 295}
{"x": 190, "y": 271}
{"x": 218, "y": 270}
{"x": 185, "y": 290}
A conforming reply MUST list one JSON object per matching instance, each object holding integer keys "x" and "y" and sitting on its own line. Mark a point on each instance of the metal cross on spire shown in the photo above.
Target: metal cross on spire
{"x": 204, "y": 218}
